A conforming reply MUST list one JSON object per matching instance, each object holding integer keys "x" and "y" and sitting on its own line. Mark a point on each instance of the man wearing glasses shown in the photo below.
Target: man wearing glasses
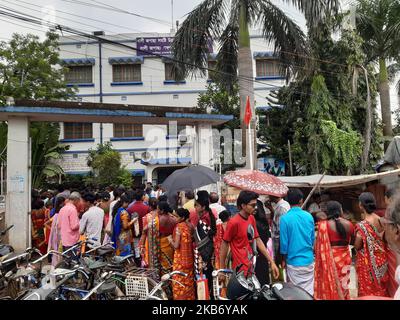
{"x": 391, "y": 223}
{"x": 236, "y": 237}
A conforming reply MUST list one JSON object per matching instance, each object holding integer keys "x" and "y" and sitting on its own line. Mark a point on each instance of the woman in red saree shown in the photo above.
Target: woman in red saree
{"x": 38, "y": 216}
{"x": 371, "y": 262}
{"x": 182, "y": 241}
{"x": 332, "y": 255}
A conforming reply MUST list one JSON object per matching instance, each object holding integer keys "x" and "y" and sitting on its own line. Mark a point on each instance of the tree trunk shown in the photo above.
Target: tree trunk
{"x": 368, "y": 126}
{"x": 246, "y": 88}
{"x": 384, "y": 94}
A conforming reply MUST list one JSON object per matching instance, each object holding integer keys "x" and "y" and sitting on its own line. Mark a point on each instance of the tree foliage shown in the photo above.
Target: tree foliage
{"x": 323, "y": 111}
{"x": 105, "y": 163}
{"x": 29, "y": 69}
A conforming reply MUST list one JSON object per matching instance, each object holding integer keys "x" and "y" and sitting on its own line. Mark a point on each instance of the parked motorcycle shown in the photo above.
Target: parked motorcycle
{"x": 247, "y": 287}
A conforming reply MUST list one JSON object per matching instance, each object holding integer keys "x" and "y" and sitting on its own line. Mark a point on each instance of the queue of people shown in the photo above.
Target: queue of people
{"x": 201, "y": 235}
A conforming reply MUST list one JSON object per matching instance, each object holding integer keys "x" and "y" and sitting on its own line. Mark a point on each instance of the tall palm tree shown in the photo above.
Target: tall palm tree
{"x": 379, "y": 25}
{"x": 228, "y": 22}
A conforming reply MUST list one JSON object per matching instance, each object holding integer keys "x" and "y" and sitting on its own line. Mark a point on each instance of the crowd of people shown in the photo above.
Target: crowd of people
{"x": 196, "y": 234}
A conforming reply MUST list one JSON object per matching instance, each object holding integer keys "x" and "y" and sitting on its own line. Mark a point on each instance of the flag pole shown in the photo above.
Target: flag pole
{"x": 251, "y": 147}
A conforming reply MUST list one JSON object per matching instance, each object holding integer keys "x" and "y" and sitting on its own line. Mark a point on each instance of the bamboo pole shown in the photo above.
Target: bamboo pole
{"x": 313, "y": 190}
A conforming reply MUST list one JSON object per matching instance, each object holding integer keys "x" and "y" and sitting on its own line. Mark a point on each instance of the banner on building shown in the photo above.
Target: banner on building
{"x": 272, "y": 166}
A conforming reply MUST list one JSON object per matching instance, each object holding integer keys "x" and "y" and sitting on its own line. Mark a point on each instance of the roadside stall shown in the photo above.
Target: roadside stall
{"x": 346, "y": 189}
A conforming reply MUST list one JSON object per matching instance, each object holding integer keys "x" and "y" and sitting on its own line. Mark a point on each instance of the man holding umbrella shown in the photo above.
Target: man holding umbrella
{"x": 236, "y": 238}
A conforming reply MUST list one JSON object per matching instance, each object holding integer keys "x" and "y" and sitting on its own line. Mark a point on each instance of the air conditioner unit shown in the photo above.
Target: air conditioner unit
{"x": 184, "y": 138}
{"x": 146, "y": 156}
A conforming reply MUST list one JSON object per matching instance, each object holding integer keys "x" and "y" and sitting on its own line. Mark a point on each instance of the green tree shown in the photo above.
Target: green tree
{"x": 30, "y": 69}
{"x": 228, "y": 22}
{"x": 46, "y": 150}
{"x": 218, "y": 100}
{"x": 330, "y": 93}
{"x": 105, "y": 163}
{"x": 378, "y": 24}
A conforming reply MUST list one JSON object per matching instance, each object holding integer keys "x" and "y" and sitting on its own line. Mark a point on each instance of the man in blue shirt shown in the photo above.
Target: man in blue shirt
{"x": 297, "y": 235}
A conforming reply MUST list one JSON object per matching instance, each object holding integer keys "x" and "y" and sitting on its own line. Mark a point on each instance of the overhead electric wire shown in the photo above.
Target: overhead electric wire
{"x": 115, "y": 43}
{"x": 115, "y": 9}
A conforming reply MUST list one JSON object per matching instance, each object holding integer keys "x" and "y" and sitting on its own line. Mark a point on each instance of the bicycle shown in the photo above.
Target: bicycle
{"x": 158, "y": 293}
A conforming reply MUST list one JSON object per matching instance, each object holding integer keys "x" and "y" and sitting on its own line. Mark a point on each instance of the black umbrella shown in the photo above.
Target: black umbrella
{"x": 190, "y": 178}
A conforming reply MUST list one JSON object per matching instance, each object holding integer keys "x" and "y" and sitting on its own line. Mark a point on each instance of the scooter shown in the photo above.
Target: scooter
{"x": 247, "y": 287}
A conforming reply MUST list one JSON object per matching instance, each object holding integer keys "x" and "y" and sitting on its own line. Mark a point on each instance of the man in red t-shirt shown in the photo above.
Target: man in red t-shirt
{"x": 141, "y": 209}
{"x": 235, "y": 236}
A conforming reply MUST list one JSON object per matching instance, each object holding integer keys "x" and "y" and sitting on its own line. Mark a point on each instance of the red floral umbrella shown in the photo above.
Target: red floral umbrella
{"x": 257, "y": 181}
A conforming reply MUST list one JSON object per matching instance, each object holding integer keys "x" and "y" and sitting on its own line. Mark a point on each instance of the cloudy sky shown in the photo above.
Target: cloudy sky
{"x": 90, "y": 17}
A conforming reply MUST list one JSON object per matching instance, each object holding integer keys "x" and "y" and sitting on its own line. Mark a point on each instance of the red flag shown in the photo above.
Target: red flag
{"x": 247, "y": 114}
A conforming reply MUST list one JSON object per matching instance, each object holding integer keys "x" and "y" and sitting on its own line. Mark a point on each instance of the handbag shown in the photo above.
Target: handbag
{"x": 205, "y": 245}
{"x": 136, "y": 229}
{"x": 203, "y": 292}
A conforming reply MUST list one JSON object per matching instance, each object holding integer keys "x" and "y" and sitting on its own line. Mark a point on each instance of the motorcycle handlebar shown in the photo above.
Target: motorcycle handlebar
{"x": 216, "y": 272}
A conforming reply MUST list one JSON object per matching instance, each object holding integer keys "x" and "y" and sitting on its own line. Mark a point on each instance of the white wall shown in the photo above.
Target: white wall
{"x": 153, "y": 92}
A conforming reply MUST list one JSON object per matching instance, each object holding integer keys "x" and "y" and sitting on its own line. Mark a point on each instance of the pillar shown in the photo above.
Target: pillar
{"x": 18, "y": 186}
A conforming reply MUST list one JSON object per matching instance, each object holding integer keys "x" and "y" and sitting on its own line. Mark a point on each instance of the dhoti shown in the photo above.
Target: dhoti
{"x": 302, "y": 277}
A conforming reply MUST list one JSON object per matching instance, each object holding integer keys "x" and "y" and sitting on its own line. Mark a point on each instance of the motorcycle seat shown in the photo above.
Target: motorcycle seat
{"x": 106, "y": 288}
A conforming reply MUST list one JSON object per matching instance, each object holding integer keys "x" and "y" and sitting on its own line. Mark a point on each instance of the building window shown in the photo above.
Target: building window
{"x": 268, "y": 68}
{"x": 127, "y": 73}
{"x": 78, "y": 130}
{"x": 127, "y": 130}
{"x": 79, "y": 74}
{"x": 170, "y": 72}
{"x": 212, "y": 65}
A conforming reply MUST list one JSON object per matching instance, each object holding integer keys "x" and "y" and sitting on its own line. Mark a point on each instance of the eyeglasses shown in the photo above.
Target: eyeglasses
{"x": 253, "y": 205}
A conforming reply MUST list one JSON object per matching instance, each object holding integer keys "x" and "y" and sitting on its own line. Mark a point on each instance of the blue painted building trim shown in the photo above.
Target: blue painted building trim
{"x": 78, "y": 62}
{"x": 168, "y": 161}
{"x": 270, "y": 78}
{"x": 76, "y": 140}
{"x": 128, "y": 150}
{"x": 137, "y": 172}
{"x": 133, "y": 83}
{"x": 79, "y": 112}
{"x": 126, "y": 60}
{"x": 270, "y": 87}
{"x": 169, "y": 82}
{"x": 199, "y": 116}
{"x": 80, "y": 85}
{"x": 264, "y": 54}
{"x": 128, "y": 139}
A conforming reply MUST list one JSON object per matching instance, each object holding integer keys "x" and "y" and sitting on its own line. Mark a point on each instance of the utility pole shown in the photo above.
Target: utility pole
{"x": 172, "y": 16}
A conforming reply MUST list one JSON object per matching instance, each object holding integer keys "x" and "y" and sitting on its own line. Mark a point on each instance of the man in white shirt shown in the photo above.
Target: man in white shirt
{"x": 91, "y": 224}
{"x": 214, "y": 198}
{"x": 278, "y": 207}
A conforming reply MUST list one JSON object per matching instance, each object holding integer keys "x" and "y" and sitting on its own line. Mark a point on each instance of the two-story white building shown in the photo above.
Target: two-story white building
{"x": 111, "y": 73}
